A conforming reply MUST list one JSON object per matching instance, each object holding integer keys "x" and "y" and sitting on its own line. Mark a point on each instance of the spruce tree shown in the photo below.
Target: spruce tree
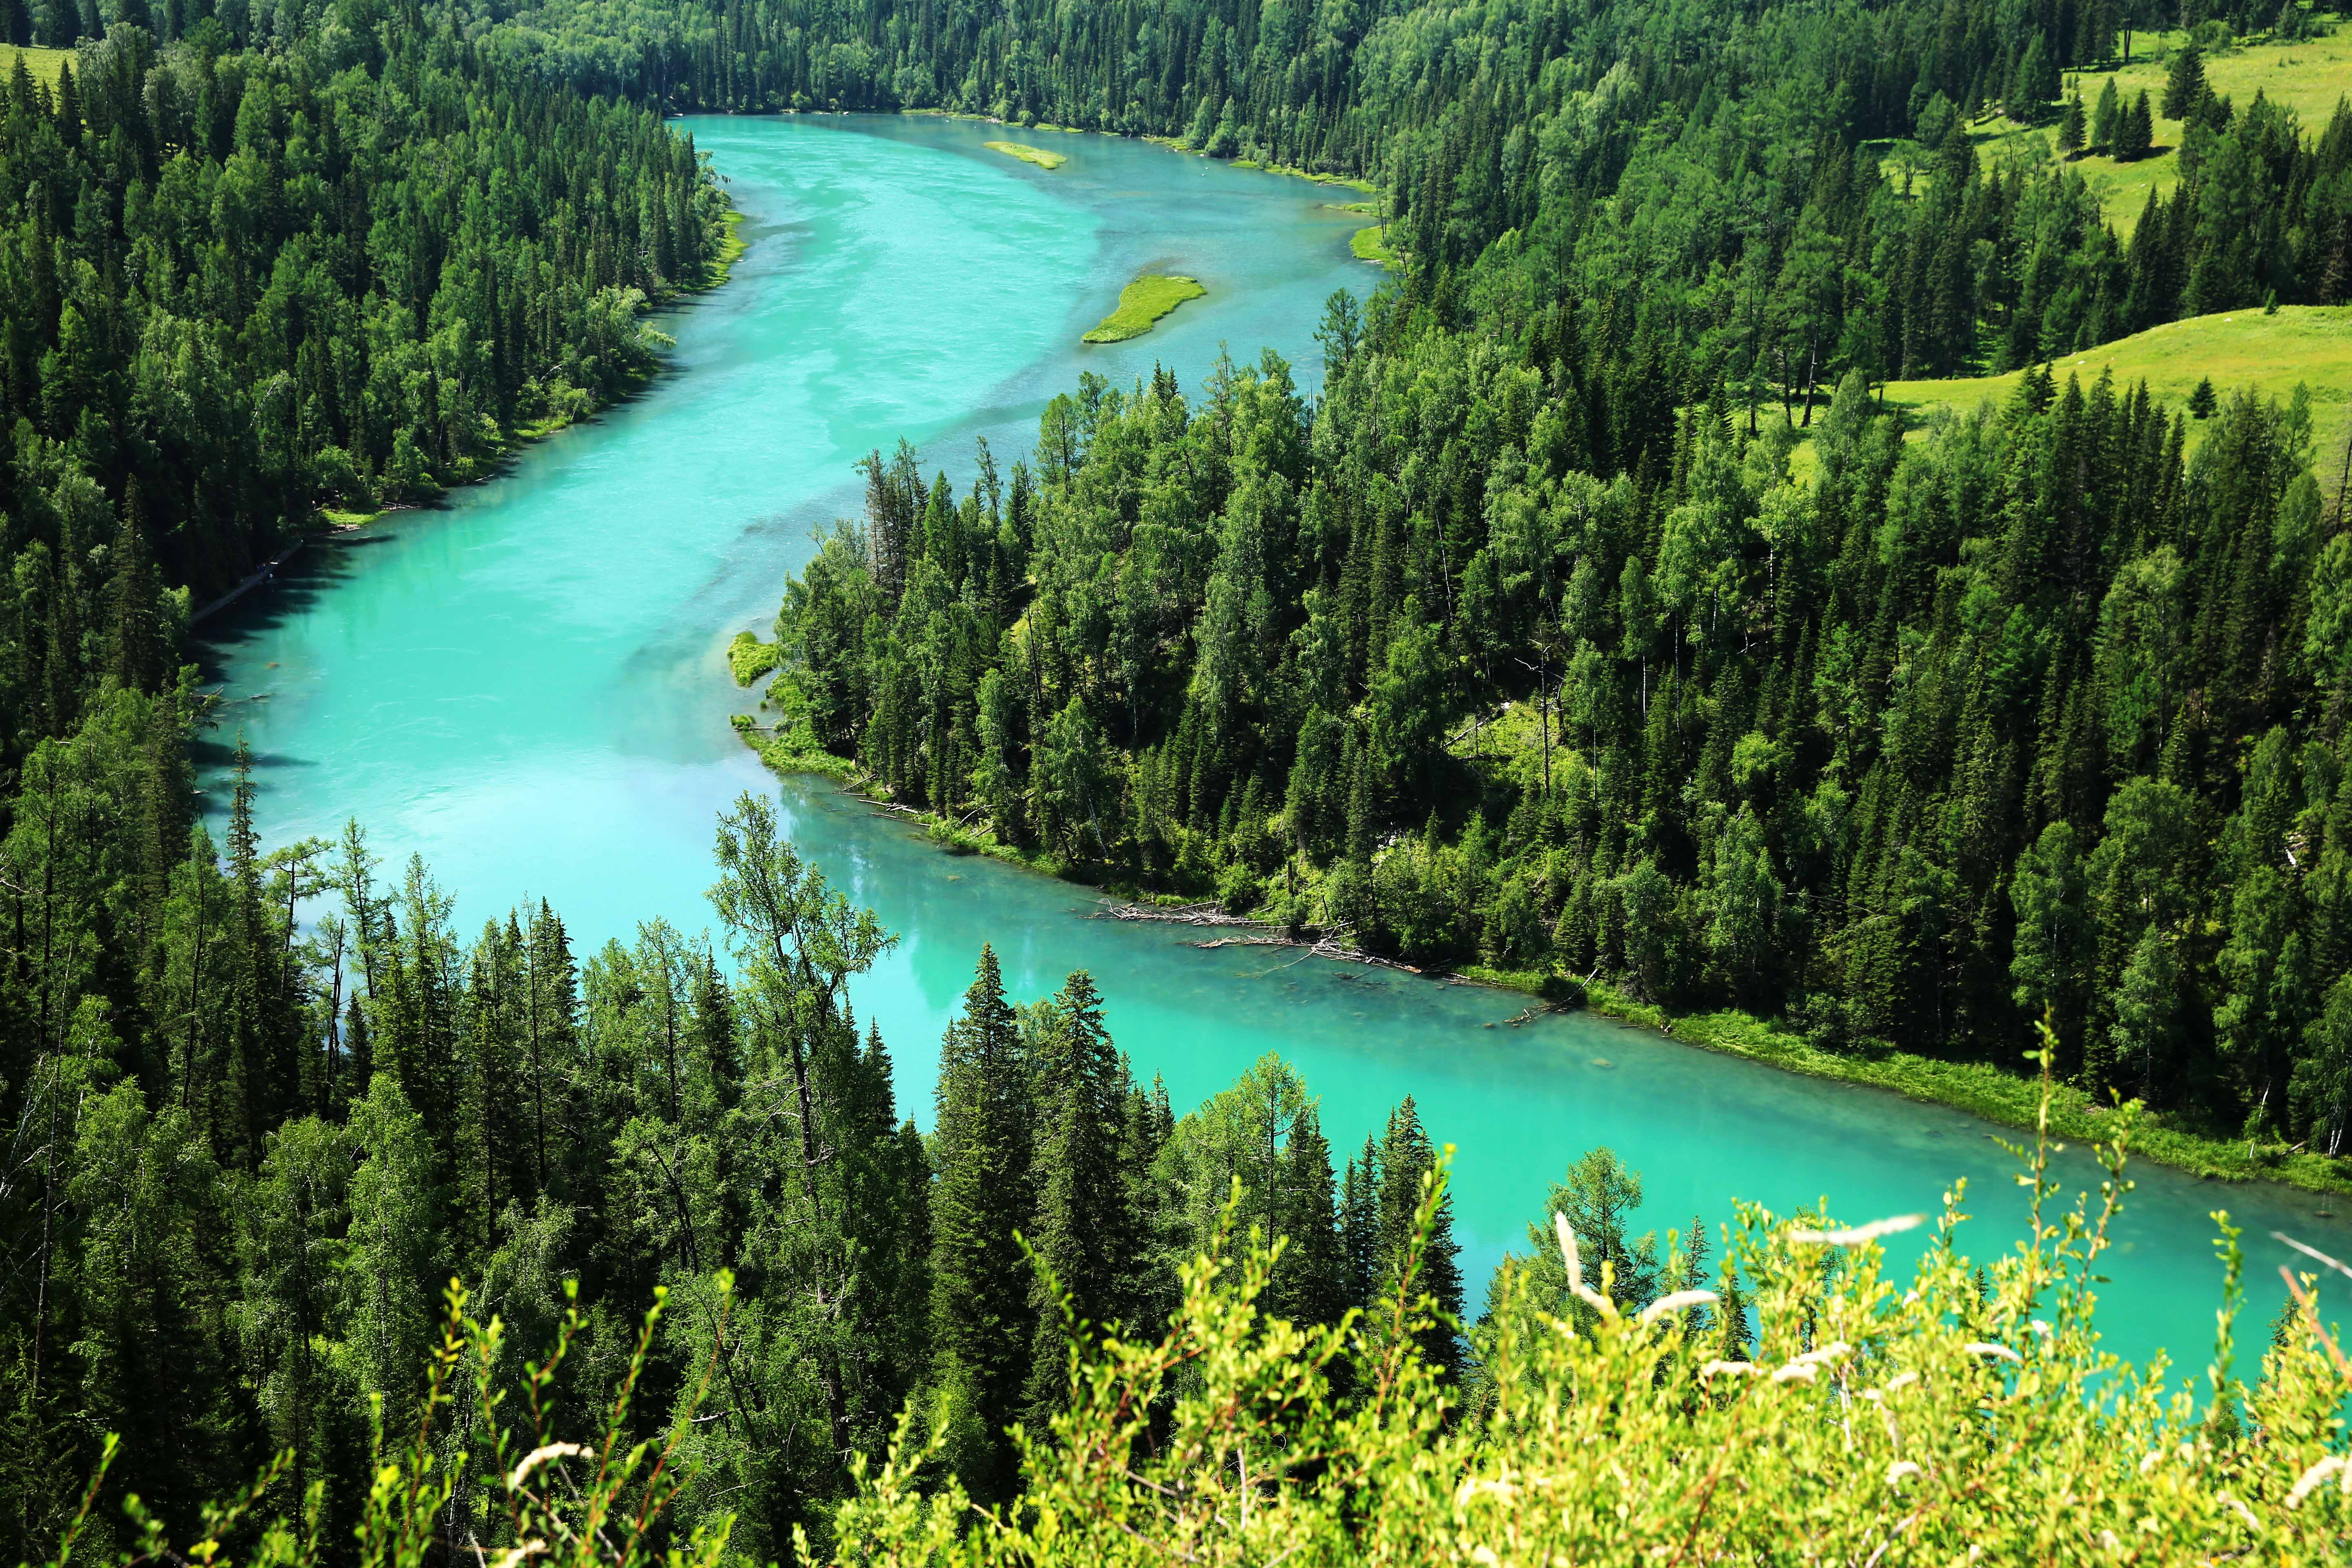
{"x": 135, "y": 650}
{"x": 1310, "y": 1284}
{"x": 1406, "y": 1159}
{"x": 2136, "y": 132}
{"x": 2103, "y": 117}
{"x": 982, "y": 1323}
{"x": 1359, "y": 1225}
{"x": 2071, "y": 126}
{"x": 1082, "y": 1232}
{"x": 2184, "y": 84}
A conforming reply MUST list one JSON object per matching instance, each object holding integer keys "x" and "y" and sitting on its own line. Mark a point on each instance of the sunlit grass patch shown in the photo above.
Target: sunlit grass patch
{"x": 2309, "y": 346}
{"x": 1143, "y": 303}
{"x": 44, "y": 64}
{"x": 1028, "y": 154}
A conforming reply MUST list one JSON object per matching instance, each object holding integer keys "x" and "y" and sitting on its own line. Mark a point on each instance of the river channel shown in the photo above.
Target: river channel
{"x": 529, "y": 688}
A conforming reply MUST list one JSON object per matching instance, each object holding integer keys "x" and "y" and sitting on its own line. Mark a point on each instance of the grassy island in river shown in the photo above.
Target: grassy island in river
{"x": 1028, "y": 154}
{"x": 1142, "y": 304}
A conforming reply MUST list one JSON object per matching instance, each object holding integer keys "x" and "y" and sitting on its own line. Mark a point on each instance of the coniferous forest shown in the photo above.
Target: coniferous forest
{"x": 1590, "y": 620}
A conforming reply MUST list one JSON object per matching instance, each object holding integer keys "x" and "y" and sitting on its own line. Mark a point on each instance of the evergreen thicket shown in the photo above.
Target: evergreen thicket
{"x": 347, "y": 269}
{"x": 2034, "y": 715}
{"x": 234, "y": 1198}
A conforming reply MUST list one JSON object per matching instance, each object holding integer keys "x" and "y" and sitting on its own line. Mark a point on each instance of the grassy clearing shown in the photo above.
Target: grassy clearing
{"x": 2306, "y": 344}
{"x": 1372, "y": 245}
{"x": 1028, "y": 154}
{"x": 2307, "y": 77}
{"x": 45, "y": 64}
{"x": 1143, "y": 303}
{"x": 751, "y": 658}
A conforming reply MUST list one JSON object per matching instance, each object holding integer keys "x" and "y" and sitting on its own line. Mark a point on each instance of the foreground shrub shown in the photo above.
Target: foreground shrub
{"x": 1811, "y": 1408}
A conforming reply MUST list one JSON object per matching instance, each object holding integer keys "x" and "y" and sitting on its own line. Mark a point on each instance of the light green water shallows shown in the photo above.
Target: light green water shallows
{"x": 530, "y": 689}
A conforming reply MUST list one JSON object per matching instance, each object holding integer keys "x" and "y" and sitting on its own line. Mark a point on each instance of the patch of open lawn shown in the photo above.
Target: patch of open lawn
{"x": 2310, "y": 345}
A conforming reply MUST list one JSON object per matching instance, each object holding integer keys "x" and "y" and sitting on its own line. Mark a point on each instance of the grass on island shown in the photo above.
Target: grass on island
{"x": 1143, "y": 303}
{"x": 751, "y": 658}
{"x": 44, "y": 64}
{"x": 1028, "y": 154}
{"x": 2306, "y": 77}
{"x": 2310, "y": 345}
{"x": 1372, "y": 245}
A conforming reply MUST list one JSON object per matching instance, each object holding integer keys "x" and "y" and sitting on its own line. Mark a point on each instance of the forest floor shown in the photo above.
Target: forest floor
{"x": 2307, "y": 76}
{"x": 1142, "y": 304}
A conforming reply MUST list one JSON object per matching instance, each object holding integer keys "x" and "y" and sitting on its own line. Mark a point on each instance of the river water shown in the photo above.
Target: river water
{"x": 529, "y": 688}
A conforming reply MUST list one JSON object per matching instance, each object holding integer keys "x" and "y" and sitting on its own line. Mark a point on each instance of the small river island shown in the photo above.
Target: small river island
{"x": 1028, "y": 154}
{"x": 1142, "y": 304}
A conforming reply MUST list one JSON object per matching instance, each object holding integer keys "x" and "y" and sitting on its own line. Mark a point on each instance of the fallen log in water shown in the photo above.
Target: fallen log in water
{"x": 1331, "y": 944}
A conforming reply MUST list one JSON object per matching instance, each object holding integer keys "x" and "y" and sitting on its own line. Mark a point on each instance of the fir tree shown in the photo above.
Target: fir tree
{"x": 2135, "y": 131}
{"x": 2184, "y": 83}
{"x": 1083, "y": 1234}
{"x": 1407, "y": 1161}
{"x": 2104, "y": 118}
{"x": 983, "y": 1325}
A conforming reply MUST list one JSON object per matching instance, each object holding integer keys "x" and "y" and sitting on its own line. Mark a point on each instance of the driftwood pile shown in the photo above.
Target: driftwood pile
{"x": 1314, "y": 941}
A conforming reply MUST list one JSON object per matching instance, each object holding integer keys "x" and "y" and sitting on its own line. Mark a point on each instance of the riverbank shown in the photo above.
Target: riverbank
{"x": 2005, "y": 1099}
{"x": 333, "y": 519}
{"x": 1173, "y": 143}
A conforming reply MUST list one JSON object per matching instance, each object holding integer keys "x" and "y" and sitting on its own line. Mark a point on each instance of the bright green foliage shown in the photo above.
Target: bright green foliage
{"x": 1815, "y": 1404}
{"x": 1960, "y": 1411}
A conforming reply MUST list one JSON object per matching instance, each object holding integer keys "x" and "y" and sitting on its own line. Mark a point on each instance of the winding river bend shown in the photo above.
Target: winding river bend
{"x": 528, "y": 690}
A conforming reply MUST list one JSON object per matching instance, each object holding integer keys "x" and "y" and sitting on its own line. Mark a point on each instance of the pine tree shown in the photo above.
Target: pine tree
{"x": 1083, "y": 1233}
{"x": 2135, "y": 131}
{"x": 2184, "y": 84}
{"x": 983, "y": 1325}
{"x": 1406, "y": 1161}
{"x": 2104, "y": 118}
{"x": 2071, "y": 127}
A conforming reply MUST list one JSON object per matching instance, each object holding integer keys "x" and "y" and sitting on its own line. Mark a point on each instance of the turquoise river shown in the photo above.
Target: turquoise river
{"x": 528, "y": 690}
